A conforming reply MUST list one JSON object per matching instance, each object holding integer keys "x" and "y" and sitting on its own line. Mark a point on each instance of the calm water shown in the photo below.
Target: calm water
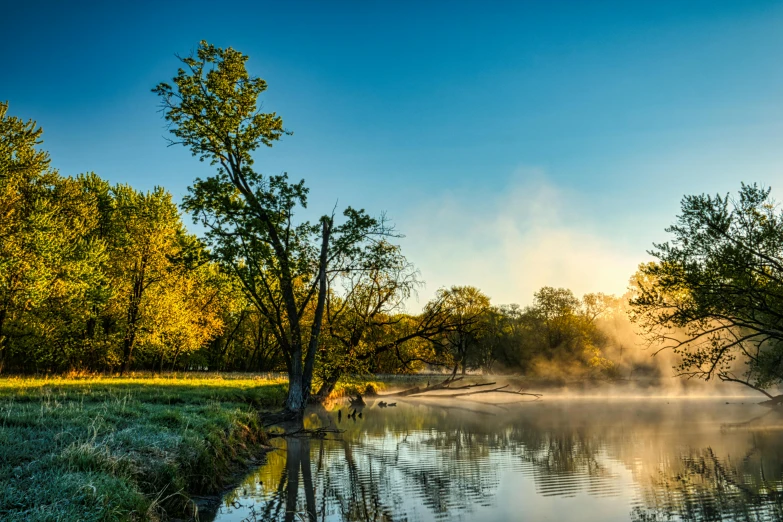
{"x": 555, "y": 460}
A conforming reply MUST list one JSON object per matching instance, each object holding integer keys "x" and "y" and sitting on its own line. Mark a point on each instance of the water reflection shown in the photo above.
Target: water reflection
{"x": 550, "y": 460}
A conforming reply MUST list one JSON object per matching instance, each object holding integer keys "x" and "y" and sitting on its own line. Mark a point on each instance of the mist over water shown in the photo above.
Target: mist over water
{"x": 576, "y": 459}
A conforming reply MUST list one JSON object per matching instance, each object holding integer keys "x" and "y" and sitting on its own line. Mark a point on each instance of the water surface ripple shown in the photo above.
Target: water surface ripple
{"x": 601, "y": 460}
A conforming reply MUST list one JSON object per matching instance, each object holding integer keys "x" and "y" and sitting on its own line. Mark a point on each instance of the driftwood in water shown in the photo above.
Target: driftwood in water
{"x": 358, "y": 401}
{"x": 447, "y": 385}
{"x": 744, "y": 425}
{"x": 444, "y": 385}
{"x": 501, "y": 389}
{"x": 773, "y": 402}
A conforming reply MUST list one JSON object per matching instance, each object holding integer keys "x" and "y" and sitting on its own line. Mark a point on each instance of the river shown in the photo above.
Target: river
{"x": 565, "y": 459}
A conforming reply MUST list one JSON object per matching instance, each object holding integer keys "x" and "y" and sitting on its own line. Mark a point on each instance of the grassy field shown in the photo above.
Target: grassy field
{"x": 132, "y": 448}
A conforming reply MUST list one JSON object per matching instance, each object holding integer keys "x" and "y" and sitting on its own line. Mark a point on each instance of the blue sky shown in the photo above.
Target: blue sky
{"x": 515, "y": 144}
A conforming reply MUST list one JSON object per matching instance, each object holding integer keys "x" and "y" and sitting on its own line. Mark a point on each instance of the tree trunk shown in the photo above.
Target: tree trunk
{"x": 133, "y": 315}
{"x": 307, "y": 378}
{"x": 257, "y": 343}
{"x": 174, "y": 359}
{"x": 127, "y": 351}
{"x": 295, "y": 402}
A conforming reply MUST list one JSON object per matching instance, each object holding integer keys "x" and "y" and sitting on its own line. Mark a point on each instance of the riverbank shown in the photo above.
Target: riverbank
{"x": 125, "y": 448}
{"x": 142, "y": 447}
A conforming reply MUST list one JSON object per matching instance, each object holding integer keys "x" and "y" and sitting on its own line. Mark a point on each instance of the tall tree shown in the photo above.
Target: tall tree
{"x": 250, "y": 218}
{"x": 23, "y": 169}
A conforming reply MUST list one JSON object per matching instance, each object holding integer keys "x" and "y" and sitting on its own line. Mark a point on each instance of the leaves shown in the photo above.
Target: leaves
{"x": 86, "y": 267}
{"x": 715, "y": 295}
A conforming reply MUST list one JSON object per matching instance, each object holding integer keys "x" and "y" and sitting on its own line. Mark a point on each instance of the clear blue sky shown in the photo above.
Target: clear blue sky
{"x": 515, "y": 144}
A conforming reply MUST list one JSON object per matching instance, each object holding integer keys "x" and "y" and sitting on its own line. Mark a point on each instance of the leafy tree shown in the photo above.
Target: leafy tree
{"x": 503, "y": 339}
{"x": 715, "y": 293}
{"x": 23, "y": 170}
{"x": 466, "y": 310}
{"x": 145, "y": 236}
{"x": 48, "y": 267}
{"x": 565, "y": 332}
{"x": 250, "y": 218}
{"x": 558, "y": 336}
{"x": 361, "y": 310}
{"x": 367, "y": 328}
{"x": 93, "y": 275}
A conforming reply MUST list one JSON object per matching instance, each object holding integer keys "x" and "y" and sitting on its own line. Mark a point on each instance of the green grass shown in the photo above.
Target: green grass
{"x": 133, "y": 448}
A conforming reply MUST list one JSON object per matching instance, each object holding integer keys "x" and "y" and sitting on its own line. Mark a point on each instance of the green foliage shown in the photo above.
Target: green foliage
{"x": 467, "y": 309}
{"x": 49, "y": 266}
{"x": 715, "y": 293}
{"x": 251, "y": 218}
{"x": 89, "y": 271}
{"x": 364, "y": 314}
{"x": 559, "y": 336}
{"x": 215, "y": 104}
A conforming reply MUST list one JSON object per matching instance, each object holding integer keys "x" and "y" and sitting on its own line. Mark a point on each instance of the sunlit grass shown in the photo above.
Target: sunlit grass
{"x": 89, "y": 447}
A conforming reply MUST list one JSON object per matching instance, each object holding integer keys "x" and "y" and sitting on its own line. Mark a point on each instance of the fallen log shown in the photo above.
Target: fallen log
{"x": 358, "y": 401}
{"x": 443, "y": 385}
{"x": 446, "y": 385}
{"x": 773, "y": 402}
{"x": 316, "y": 433}
{"x": 501, "y": 389}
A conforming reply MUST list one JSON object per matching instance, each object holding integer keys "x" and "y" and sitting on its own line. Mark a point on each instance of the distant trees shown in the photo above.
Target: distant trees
{"x": 715, "y": 293}
{"x": 90, "y": 273}
{"x": 558, "y": 336}
{"x": 467, "y": 310}
{"x": 105, "y": 277}
{"x": 48, "y": 266}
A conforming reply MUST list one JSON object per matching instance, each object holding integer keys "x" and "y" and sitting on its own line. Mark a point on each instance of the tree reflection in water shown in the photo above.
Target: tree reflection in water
{"x": 608, "y": 461}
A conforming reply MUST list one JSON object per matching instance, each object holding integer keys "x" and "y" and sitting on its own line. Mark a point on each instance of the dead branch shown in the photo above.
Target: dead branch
{"x": 443, "y": 385}
{"x": 441, "y": 388}
{"x": 357, "y": 402}
{"x": 501, "y": 389}
{"x": 446, "y": 385}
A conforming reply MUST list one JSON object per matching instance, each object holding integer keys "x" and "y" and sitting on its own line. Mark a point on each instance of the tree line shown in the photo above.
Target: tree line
{"x": 105, "y": 277}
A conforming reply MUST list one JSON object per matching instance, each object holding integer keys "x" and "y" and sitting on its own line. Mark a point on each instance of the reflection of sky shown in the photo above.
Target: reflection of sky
{"x": 532, "y": 463}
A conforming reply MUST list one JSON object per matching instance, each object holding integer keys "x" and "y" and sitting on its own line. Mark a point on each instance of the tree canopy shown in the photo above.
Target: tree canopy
{"x": 253, "y": 231}
{"x": 715, "y": 293}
